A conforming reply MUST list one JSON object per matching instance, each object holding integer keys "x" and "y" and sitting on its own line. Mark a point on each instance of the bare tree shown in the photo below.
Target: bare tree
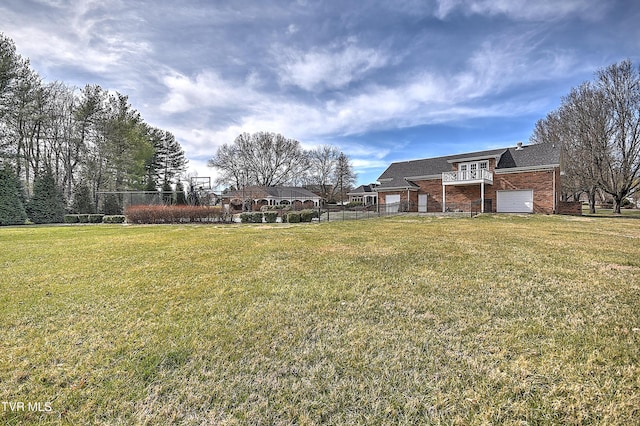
{"x": 265, "y": 159}
{"x": 322, "y": 166}
{"x": 581, "y": 127}
{"x": 620, "y": 167}
{"x": 344, "y": 176}
{"x": 598, "y": 125}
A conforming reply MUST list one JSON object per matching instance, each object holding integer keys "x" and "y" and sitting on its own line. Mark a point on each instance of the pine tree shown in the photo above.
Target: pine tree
{"x": 12, "y": 210}
{"x": 181, "y": 198}
{"x": 82, "y": 200}
{"x": 112, "y": 205}
{"x": 47, "y": 203}
{"x": 167, "y": 193}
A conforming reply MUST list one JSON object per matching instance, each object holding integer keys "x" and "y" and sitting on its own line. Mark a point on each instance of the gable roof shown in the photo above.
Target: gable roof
{"x": 275, "y": 192}
{"x": 363, "y": 189}
{"x": 400, "y": 175}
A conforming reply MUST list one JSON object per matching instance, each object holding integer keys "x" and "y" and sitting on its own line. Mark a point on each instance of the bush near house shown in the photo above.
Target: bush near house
{"x": 270, "y": 216}
{"x": 308, "y": 215}
{"x": 293, "y": 217}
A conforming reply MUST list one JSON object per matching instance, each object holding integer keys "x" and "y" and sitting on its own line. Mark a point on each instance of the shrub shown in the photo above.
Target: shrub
{"x": 95, "y": 218}
{"x": 116, "y": 218}
{"x": 83, "y": 218}
{"x": 270, "y": 217}
{"x": 256, "y": 217}
{"x": 293, "y": 217}
{"x": 71, "y": 218}
{"x": 306, "y": 215}
{"x": 174, "y": 214}
{"x": 251, "y": 217}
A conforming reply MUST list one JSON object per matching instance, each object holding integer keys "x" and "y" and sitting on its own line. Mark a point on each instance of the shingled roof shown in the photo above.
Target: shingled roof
{"x": 275, "y": 192}
{"x": 400, "y": 175}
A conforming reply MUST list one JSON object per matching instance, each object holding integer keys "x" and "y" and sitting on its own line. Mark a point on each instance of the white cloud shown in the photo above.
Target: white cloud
{"x": 207, "y": 89}
{"x": 424, "y": 98}
{"x": 523, "y": 9}
{"x": 329, "y": 68}
{"x": 71, "y": 35}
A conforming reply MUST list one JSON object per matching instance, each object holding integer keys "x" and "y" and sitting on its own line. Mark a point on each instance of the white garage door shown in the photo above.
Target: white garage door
{"x": 392, "y": 203}
{"x": 520, "y": 201}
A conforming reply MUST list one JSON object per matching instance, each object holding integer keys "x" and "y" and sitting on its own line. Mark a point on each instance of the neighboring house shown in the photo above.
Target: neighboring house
{"x": 523, "y": 179}
{"x": 257, "y": 196}
{"x": 365, "y": 194}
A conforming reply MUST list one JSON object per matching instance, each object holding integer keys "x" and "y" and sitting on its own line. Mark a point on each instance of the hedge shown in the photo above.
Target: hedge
{"x": 251, "y": 217}
{"x": 293, "y": 217}
{"x": 114, "y": 218}
{"x": 83, "y": 218}
{"x": 270, "y": 217}
{"x": 96, "y": 218}
{"x": 174, "y": 214}
{"x": 71, "y": 218}
{"x": 307, "y": 215}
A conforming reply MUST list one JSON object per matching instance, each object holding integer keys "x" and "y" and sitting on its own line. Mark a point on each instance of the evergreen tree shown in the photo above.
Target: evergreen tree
{"x": 82, "y": 200}
{"x": 12, "y": 210}
{"x": 181, "y": 197}
{"x": 112, "y": 204}
{"x": 167, "y": 193}
{"x": 47, "y": 203}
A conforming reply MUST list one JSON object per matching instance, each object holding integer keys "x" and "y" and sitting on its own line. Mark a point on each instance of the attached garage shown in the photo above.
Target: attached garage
{"x": 517, "y": 201}
{"x": 392, "y": 203}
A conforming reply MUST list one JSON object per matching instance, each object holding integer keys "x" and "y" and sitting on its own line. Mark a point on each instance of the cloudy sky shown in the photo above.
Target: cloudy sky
{"x": 382, "y": 80}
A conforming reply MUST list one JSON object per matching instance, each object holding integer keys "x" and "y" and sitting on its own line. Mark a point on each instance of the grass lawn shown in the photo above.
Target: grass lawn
{"x": 404, "y": 320}
{"x": 627, "y": 213}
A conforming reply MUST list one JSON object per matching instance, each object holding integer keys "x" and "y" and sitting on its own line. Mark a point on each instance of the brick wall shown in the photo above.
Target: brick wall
{"x": 541, "y": 182}
{"x": 570, "y": 207}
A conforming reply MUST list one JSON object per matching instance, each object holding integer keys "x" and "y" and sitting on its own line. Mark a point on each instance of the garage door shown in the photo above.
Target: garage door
{"x": 392, "y": 203}
{"x": 515, "y": 201}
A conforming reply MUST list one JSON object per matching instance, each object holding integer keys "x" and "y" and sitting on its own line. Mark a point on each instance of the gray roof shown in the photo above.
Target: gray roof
{"x": 363, "y": 189}
{"x": 401, "y": 174}
{"x": 284, "y": 192}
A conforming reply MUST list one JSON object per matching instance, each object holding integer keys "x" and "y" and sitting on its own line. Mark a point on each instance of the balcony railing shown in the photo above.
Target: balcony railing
{"x": 468, "y": 176}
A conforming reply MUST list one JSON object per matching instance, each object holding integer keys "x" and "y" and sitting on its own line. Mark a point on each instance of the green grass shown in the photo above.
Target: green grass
{"x": 628, "y": 213}
{"x": 403, "y": 320}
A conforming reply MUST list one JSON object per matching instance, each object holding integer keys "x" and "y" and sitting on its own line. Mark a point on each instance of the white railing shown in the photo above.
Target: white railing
{"x": 468, "y": 176}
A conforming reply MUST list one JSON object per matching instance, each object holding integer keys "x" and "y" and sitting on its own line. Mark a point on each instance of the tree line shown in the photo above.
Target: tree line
{"x": 86, "y": 140}
{"x": 270, "y": 159}
{"x": 598, "y": 126}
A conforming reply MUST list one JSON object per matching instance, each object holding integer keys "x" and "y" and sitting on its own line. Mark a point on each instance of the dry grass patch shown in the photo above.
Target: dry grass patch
{"x": 497, "y": 319}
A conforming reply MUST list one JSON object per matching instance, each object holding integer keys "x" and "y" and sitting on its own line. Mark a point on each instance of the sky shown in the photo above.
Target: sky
{"x": 383, "y": 81}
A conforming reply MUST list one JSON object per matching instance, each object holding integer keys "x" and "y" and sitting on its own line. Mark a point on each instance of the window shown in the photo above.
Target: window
{"x": 469, "y": 171}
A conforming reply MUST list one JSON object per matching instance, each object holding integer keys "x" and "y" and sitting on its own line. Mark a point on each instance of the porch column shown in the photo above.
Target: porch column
{"x": 444, "y": 196}
{"x": 482, "y": 197}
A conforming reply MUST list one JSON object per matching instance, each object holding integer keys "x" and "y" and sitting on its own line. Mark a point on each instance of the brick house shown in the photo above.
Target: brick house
{"x": 365, "y": 194}
{"x": 523, "y": 179}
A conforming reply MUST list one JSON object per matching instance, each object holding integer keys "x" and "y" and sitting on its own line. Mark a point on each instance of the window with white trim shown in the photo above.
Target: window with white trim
{"x": 469, "y": 171}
